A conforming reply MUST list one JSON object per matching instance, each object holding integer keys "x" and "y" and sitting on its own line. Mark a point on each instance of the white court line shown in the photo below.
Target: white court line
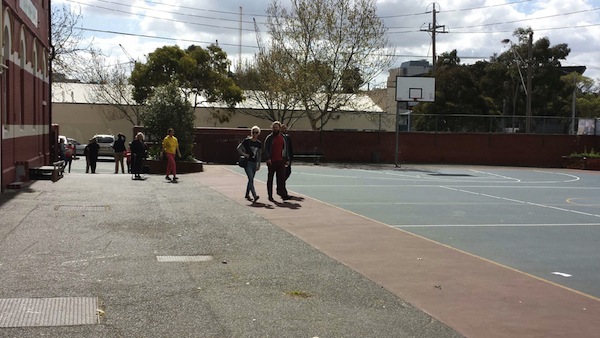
{"x": 325, "y": 175}
{"x": 522, "y": 202}
{"x": 574, "y": 178}
{"x": 491, "y": 178}
{"x": 497, "y": 175}
{"x": 419, "y": 203}
{"x": 524, "y": 187}
{"x": 434, "y": 185}
{"x": 494, "y": 225}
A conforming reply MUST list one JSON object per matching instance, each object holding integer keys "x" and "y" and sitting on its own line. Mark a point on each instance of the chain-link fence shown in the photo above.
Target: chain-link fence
{"x": 464, "y": 123}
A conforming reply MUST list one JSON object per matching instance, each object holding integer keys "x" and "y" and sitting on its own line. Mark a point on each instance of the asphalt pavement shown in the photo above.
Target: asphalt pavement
{"x": 178, "y": 260}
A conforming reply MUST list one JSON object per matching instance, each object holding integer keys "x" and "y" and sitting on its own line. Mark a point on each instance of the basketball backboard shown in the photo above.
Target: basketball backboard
{"x": 416, "y": 89}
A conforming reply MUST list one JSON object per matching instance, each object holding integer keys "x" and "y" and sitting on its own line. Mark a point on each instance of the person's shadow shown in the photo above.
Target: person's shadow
{"x": 287, "y": 204}
{"x": 261, "y": 205}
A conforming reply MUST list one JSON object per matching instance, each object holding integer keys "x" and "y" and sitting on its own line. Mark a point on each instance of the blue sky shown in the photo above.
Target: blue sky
{"x": 475, "y": 27}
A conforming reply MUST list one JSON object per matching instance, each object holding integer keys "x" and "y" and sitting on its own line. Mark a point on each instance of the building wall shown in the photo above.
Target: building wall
{"x": 83, "y": 121}
{"x": 24, "y": 86}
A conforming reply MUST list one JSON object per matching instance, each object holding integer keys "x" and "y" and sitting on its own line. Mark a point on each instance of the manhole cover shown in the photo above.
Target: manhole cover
{"x": 22, "y": 312}
{"x": 202, "y": 258}
{"x": 86, "y": 208}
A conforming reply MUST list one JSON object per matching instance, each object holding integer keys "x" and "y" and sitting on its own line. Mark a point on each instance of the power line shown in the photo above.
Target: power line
{"x": 455, "y": 10}
{"x": 246, "y": 46}
{"x": 172, "y": 12}
{"x": 489, "y": 6}
{"x": 159, "y": 37}
{"x": 204, "y": 10}
{"x": 531, "y": 19}
{"x": 159, "y": 18}
{"x": 537, "y": 29}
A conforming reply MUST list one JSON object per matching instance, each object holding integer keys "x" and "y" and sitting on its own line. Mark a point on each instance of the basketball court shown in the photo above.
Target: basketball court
{"x": 490, "y": 251}
{"x": 545, "y": 222}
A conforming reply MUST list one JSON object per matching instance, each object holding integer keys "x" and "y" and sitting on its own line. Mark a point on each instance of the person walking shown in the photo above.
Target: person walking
{"x": 69, "y": 154}
{"x": 61, "y": 149}
{"x": 288, "y": 168}
{"x": 277, "y": 159}
{"x": 119, "y": 148}
{"x": 138, "y": 153}
{"x": 251, "y": 149}
{"x": 170, "y": 149}
{"x": 91, "y": 155}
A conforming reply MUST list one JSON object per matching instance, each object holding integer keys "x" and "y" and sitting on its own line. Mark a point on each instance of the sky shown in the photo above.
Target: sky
{"x": 475, "y": 28}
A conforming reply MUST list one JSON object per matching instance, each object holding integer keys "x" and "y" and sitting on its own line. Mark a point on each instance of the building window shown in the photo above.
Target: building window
{"x": 5, "y": 78}
{"x": 22, "y": 81}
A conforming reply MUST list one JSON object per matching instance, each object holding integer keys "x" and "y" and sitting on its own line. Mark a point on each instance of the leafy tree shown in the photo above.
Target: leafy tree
{"x": 352, "y": 80}
{"x": 200, "y": 72}
{"x": 270, "y": 82}
{"x": 458, "y": 93}
{"x": 168, "y": 108}
{"x": 548, "y": 91}
{"x": 327, "y": 41}
{"x": 587, "y": 101}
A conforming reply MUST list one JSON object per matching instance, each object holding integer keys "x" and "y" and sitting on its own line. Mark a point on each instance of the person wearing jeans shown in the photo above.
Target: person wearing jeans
{"x": 170, "y": 150}
{"x": 251, "y": 149}
{"x": 276, "y": 153}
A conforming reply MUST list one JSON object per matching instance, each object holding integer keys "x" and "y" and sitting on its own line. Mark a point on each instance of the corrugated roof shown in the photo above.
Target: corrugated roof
{"x": 86, "y": 93}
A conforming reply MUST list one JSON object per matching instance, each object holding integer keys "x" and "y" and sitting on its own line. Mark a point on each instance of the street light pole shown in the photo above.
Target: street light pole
{"x": 529, "y": 76}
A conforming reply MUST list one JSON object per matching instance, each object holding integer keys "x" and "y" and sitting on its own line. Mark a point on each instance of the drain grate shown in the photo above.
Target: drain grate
{"x": 24, "y": 312}
{"x": 202, "y": 258}
{"x": 86, "y": 208}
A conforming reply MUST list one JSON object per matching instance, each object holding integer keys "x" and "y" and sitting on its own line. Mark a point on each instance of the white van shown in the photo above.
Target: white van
{"x": 106, "y": 144}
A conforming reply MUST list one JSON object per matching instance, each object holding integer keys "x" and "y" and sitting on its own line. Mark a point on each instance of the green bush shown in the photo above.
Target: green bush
{"x": 169, "y": 108}
{"x": 591, "y": 154}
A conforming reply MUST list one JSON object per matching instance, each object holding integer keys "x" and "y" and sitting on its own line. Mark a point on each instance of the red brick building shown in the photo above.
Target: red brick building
{"x": 25, "y": 117}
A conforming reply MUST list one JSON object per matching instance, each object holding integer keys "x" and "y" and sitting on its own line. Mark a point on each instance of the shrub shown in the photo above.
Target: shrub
{"x": 591, "y": 154}
{"x": 169, "y": 108}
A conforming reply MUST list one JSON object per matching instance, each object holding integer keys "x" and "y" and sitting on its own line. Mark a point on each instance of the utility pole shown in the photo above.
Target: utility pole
{"x": 529, "y": 76}
{"x": 239, "y": 67}
{"x": 433, "y": 29}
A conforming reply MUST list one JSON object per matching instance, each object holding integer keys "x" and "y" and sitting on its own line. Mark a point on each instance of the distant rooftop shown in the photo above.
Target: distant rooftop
{"x": 85, "y": 93}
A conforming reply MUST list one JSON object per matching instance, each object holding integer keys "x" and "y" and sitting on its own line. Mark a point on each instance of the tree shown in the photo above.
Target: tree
{"x": 67, "y": 46}
{"x": 582, "y": 88}
{"x": 168, "y": 108}
{"x": 458, "y": 93}
{"x": 200, "y": 72}
{"x": 327, "y": 41}
{"x": 113, "y": 89}
{"x": 270, "y": 82}
{"x": 548, "y": 91}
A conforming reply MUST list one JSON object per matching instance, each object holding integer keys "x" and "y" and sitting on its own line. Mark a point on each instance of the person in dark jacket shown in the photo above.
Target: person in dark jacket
{"x": 290, "y": 151}
{"x": 119, "y": 148}
{"x": 276, "y": 154}
{"x": 138, "y": 153}
{"x": 91, "y": 155}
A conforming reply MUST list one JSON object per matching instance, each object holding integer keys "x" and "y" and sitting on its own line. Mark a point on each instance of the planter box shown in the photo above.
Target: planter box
{"x": 183, "y": 167}
{"x": 585, "y": 163}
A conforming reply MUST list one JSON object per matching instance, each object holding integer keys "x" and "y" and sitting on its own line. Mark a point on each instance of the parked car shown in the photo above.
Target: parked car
{"x": 79, "y": 148}
{"x": 105, "y": 142}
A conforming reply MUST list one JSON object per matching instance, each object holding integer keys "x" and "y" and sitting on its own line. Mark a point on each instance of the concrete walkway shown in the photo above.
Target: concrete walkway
{"x": 156, "y": 259}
